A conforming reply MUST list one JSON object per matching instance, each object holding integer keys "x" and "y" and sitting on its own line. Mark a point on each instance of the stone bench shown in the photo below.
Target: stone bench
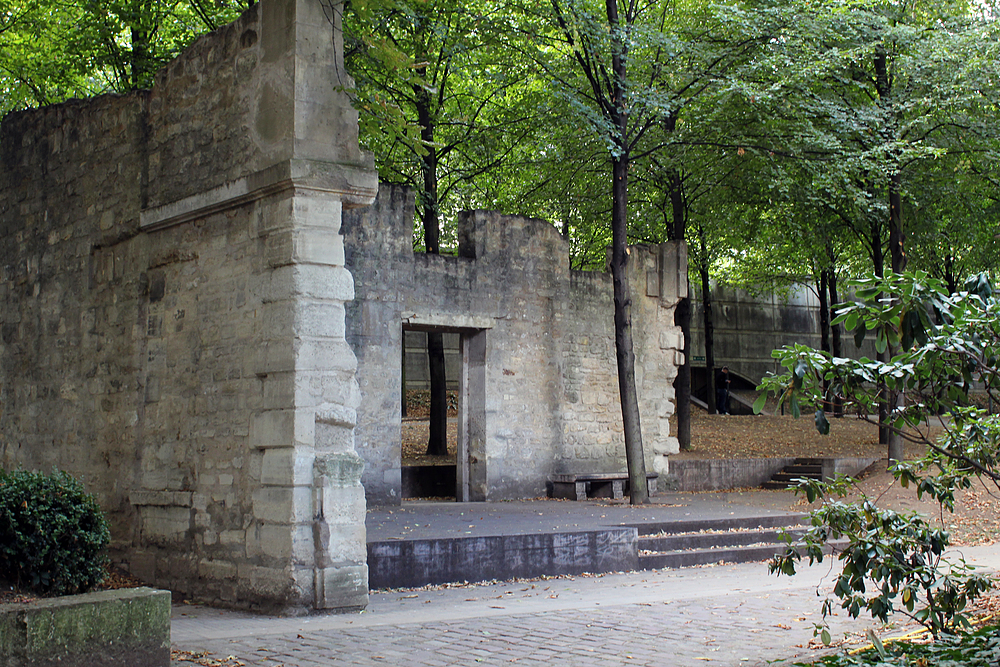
{"x": 580, "y": 486}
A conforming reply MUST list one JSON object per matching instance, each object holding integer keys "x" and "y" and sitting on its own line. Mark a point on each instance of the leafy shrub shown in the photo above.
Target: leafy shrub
{"x": 53, "y": 535}
{"x": 939, "y": 346}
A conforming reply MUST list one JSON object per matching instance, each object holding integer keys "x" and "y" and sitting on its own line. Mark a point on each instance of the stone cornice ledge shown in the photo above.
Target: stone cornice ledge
{"x": 356, "y": 185}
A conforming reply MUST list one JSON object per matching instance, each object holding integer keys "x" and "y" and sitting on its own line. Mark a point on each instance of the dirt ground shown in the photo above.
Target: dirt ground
{"x": 976, "y": 519}
{"x": 977, "y": 513}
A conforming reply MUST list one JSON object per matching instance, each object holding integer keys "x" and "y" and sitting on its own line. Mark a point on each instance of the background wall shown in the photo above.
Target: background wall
{"x": 748, "y": 327}
{"x": 551, "y": 389}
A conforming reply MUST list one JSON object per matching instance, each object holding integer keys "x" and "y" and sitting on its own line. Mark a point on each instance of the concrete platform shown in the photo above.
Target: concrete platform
{"x": 425, "y": 542}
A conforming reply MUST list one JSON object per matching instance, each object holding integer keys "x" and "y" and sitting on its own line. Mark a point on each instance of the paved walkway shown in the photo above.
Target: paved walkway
{"x": 721, "y": 615}
{"x": 429, "y": 520}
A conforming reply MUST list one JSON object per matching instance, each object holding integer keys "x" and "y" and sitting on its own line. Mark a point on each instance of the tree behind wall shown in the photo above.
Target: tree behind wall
{"x": 54, "y": 50}
{"x": 430, "y": 120}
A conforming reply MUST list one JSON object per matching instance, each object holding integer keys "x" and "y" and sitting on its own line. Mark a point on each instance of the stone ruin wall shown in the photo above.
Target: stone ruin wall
{"x": 171, "y": 329}
{"x": 551, "y": 388}
{"x": 173, "y": 323}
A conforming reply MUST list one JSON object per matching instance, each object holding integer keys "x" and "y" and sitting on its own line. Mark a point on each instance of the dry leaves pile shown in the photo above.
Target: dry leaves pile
{"x": 204, "y": 659}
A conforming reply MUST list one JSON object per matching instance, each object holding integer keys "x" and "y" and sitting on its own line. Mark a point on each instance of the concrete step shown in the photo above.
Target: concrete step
{"x": 746, "y": 548}
{"x": 734, "y": 523}
{"x": 711, "y": 540}
{"x": 677, "y": 559}
{"x": 738, "y": 540}
{"x": 802, "y": 468}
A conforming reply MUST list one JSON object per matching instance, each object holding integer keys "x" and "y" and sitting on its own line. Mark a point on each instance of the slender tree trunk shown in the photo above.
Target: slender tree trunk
{"x": 824, "y": 330}
{"x": 402, "y": 377}
{"x": 897, "y": 238}
{"x": 878, "y": 264}
{"x": 835, "y": 330}
{"x": 639, "y": 492}
{"x": 883, "y": 86}
{"x": 437, "y": 441}
{"x": 706, "y": 303}
{"x": 682, "y": 315}
{"x": 623, "y": 336}
{"x": 682, "y": 383}
{"x": 139, "y": 61}
{"x": 949, "y": 272}
{"x": 896, "y": 251}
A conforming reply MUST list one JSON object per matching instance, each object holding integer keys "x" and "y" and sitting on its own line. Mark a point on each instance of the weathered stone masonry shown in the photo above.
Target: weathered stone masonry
{"x": 172, "y": 322}
{"x": 539, "y": 383}
{"x": 176, "y": 309}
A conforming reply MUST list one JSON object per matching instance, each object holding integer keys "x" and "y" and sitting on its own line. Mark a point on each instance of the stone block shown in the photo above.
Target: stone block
{"x": 165, "y": 524}
{"x": 344, "y": 587}
{"x": 319, "y": 246}
{"x": 282, "y": 428}
{"x": 275, "y": 586}
{"x": 320, "y": 318}
{"x": 280, "y": 543}
{"x": 103, "y": 629}
{"x": 343, "y": 504}
{"x": 672, "y": 339}
{"x": 324, "y": 354}
{"x": 279, "y": 390}
{"x": 334, "y": 438}
{"x": 661, "y": 466}
{"x": 160, "y": 498}
{"x": 287, "y": 467}
{"x": 283, "y": 504}
{"x": 340, "y": 543}
{"x": 217, "y": 570}
{"x": 339, "y": 469}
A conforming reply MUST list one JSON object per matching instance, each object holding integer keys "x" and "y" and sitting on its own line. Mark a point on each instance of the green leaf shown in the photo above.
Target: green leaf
{"x": 881, "y": 343}
{"x": 825, "y": 637}
{"x": 758, "y": 405}
{"x": 859, "y": 336}
{"x": 794, "y": 404}
{"x": 822, "y": 423}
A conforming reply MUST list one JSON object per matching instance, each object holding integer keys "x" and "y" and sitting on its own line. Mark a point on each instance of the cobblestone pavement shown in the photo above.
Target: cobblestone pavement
{"x": 722, "y": 615}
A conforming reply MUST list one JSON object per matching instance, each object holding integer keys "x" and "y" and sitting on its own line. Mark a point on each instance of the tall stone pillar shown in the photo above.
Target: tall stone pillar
{"x": 309, "y": 510}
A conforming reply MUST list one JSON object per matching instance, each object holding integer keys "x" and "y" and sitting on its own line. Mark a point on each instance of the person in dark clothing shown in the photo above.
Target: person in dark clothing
{"x": 722, "y": 391}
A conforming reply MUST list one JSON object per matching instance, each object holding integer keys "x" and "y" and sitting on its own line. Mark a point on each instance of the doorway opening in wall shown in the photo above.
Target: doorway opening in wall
{"x": 426, "y": 474}
{"x": 456, "y": 472}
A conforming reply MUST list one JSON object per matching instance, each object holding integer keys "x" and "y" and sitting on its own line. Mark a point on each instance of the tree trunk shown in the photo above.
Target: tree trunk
{"x": 949, "y": 272}
{"x": 623, "y": 336}
{"x": 437, "y": 441}
{"x": 139, "y": 59}
{"x": 706, "y": 302}
{"x": 639, "y": 492}
{"x": 897, "y": 238}
{"x": 682, "y": 314}
{"x": 682, "y": 383}
{"x": 835, "y": 331}
{"x": 402, "y": 377}
{"x": 898, "y": 256}
{"x": 883, "y": 85}
{"x": 824, "y": 330}
{"x": 878, "y": 264}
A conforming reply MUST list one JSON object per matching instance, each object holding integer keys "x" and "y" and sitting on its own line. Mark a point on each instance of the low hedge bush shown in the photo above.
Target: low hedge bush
{"x": 53, "y": 534}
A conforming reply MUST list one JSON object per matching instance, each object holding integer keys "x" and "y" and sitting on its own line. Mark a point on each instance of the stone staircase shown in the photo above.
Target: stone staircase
{"x": 740, "y": 540}
{"x": 801, "y": 468}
